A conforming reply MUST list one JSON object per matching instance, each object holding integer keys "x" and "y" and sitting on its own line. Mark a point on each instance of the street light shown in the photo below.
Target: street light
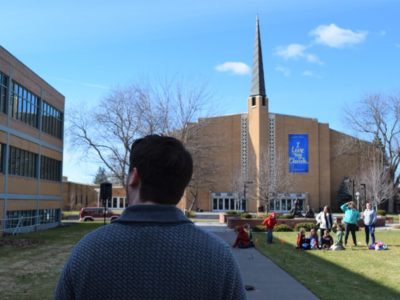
{"x": 365, "y": 192}
{"x": 358, "y": 202}
{"x": 245, "y": 183}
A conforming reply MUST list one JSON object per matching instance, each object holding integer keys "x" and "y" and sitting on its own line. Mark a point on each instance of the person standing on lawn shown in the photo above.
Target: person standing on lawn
{"x": 325, "y": 221}
{"x": 152, "y": 251}
{"x": 369, "y": 216}
{"x": 351, "y": 217}
{"x": 270, "y": 222}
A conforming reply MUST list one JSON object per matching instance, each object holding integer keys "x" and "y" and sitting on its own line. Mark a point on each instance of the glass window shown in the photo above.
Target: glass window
{"x": 226, "y": 204}
{"x": 115, "y": 202}
{"x": 289, "y": 204}
{"x": 272, "y": 205}
{"x": 121, "y": 202}
{"x": 283, "y": 204}
{"x": 277, "y": 204}
{"x": 52, "y": 120}
{"x": 232, "y": 207}
{"x": 215, "y": 203}
{"x": 24, "y": 105}
{"x": 3, "y": 92}
{"x": 220, "y": 204}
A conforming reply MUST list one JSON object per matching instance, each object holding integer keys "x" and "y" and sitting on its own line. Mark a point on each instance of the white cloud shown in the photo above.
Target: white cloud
{"x": 237, "y": 68}
{"x": 292, "y": 51}
{"x": 285, "y": 71}
{"x": 308, "y": 73}
{"x": 336, "y": 37}
{"x": 397, "y": 45}
{"x": 382, "y": 32}
{"x": 297, "y": 51}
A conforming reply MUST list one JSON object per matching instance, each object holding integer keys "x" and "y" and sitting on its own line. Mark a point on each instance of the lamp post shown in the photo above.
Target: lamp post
{"x": 245, "y": 183}
{"x": 358, "y": 200}
{"x": 365, "y": 192}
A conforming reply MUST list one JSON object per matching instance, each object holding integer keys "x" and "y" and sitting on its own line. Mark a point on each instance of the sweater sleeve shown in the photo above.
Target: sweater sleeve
{"x": 344, "y": 207}
{"x": 64, "y": 288}
{"x": 233, "y": 285}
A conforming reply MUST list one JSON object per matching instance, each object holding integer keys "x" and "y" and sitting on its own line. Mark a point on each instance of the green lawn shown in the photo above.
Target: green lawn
{"x": 30, "y": 266}
{"x": 356, "y": 273}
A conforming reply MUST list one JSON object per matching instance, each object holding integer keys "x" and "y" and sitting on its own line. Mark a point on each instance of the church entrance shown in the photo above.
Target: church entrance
{"x": 227, "y": 201}
{"x": 284, "y": 202}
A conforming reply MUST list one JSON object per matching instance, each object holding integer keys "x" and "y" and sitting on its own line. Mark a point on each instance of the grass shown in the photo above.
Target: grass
{"x": 351, "y": 274}
{"x": 30, "y": 264}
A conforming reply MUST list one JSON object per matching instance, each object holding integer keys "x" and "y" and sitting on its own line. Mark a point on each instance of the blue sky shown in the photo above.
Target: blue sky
{"x": 318, "y": 55}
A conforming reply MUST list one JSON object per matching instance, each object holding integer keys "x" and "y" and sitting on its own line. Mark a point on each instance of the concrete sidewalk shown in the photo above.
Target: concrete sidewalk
{"x": 269, "y": 281}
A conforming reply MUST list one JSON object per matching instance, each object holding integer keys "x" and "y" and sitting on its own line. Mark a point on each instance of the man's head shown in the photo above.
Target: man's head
{"x": 369, "y": 205}
{"x": 160, "y": 169}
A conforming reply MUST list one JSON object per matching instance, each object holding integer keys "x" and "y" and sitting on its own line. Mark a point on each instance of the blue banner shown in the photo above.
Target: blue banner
{"x": 298, "y": 153}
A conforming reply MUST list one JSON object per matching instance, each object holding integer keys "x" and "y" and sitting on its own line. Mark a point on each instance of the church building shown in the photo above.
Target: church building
{"x": 261, "y": 160}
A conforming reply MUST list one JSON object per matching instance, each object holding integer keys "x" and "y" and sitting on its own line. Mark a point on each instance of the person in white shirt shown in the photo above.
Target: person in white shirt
{"x": 325, "y": 221}
{"x": 369, "y": 216}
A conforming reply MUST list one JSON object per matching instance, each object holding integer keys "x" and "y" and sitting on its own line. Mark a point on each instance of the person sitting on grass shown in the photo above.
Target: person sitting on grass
{"x": 313, "y": 239}
{"x": 249, "y": 232}
{"x": 338, "y": 226}
{"x": 326, "y": 240}
{"x": 302, "y": 242}
{"x": 269, "y": 222}
{"x": 242, "y": 238}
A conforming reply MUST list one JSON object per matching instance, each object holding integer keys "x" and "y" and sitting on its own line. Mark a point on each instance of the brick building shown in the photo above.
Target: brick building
{"x": 263, "y": 160}
{"x": 31, "y": 142}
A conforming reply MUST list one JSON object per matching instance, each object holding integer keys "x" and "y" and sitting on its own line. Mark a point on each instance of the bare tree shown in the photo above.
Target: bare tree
{"x": 276, "y": 177}
{"x": 378, "y": 183}
{"x": 128, "y": 113}
{"x": 377, "y": 117}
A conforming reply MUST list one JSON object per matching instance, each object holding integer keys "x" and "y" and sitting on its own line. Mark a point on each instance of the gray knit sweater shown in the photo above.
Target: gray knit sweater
{"x": 150, "y": 252}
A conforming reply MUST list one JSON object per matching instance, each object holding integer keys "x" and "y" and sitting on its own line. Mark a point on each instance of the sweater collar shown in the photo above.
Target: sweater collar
{"x": 150, "y": 213}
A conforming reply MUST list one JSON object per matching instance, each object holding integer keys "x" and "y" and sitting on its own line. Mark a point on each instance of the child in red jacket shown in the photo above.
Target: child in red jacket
{"x": 242, "y": 238}
{"x": 269, "y": 223}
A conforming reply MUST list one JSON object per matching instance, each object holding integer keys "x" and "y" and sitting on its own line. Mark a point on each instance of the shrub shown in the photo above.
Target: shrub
{"x": 381, "y": 212}
{"x": 282, "y": 228}
{"x": 285, "y": 216}
{"x": 231, "y": 213}
{"x": 246, "y": 215}
{"x": 307, "y": 226}
{"x": 259, "y": 228}
{"x": 190, "y": 214}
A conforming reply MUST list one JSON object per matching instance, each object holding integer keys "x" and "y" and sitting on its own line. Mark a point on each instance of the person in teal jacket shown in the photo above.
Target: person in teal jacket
{"x": 351, "y": 217}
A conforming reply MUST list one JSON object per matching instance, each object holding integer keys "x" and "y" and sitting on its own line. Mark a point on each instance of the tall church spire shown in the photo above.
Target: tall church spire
{"x": 257, "y": 82}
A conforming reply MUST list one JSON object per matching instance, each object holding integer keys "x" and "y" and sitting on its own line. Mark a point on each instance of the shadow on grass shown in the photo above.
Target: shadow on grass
{"x": 334, "y": 274}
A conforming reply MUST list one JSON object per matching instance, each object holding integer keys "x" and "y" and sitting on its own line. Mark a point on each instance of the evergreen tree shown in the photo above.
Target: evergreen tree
{"x": 100, "y": 176}
{"x": 343, "y": 195}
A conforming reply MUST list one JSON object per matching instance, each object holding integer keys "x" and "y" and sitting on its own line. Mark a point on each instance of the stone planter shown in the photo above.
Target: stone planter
{"x": 233, "y": 222}
{"x": 222, "y": 218}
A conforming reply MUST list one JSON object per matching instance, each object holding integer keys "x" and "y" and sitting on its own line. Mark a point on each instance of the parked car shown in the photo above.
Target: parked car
{"x": 96, "y": 214}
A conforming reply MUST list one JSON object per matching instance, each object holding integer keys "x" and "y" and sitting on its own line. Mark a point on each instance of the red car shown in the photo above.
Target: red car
{"x": 96, "y": 214}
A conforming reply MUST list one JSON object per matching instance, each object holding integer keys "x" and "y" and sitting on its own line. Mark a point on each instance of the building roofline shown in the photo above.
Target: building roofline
{"x": 30, "y": 70}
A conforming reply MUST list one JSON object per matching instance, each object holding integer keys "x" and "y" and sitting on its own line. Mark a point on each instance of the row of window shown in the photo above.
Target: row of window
{"x": 50, "y": 169}
{"x": 27, "y": 107}
{"x": 285, "y": 205}
{"x": 116, "y": 202}
{"x": 51, "y": 120}
{"x": 26, "y": 218}
{"x": 24, "y": 163}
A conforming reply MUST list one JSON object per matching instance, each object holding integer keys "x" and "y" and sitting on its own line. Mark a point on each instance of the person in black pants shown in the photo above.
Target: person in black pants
{"x": 351, "y": 217}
